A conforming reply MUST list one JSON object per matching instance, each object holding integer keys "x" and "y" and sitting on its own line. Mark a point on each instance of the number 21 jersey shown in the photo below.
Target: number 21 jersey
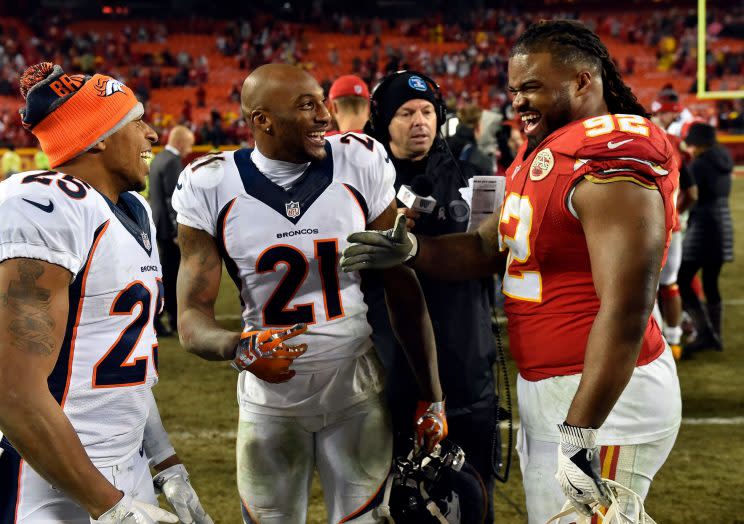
{"x": 281, "y": 245}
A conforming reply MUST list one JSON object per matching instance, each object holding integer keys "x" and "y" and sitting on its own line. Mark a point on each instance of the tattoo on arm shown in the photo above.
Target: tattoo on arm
{"x": 197, "y": 289}
{"x": 32, "y": 323}
{"x": 199, "y": 259}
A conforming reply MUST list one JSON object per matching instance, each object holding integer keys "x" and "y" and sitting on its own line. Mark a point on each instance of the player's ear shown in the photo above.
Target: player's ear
{"x": 260, "y": 119}
{"x": 584, "y": 81}
{"x": 98, "y": 147}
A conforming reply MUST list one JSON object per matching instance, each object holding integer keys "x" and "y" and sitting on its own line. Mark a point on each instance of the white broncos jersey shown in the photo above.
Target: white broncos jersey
{"x": 108, "y": 359}
{"x": 282, "y": 246}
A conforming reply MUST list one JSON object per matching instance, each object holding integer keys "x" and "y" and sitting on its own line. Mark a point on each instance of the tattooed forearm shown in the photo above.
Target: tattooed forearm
{"x": 198, "y": 285}
{"x": 200, "y": 270}
{"x": 28, "y": 306}
{"x": 196, "y": 248}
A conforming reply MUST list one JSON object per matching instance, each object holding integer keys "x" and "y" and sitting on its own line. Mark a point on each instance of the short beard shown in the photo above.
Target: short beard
{"x": 532, "y": 143}
{"x": 558, "y": 117}
{"x": 136, "y": 186}
{"x": 320, "y": 156}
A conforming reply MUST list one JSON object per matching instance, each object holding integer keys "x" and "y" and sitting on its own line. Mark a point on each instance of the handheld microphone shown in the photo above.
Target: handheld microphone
{"x": 417, "y": 196}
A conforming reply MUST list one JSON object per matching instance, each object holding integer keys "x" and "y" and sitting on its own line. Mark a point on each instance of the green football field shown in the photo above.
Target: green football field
{"x": 700, "y": 482}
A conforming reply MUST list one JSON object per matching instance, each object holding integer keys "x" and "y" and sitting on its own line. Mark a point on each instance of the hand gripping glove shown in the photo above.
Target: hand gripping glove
{"x": 630, "y": 511}
{"x": 265, "y": 354}
{"x": 430, "y": 424}
{"x": 578, "y": 468}
{"x": 173, "y": 483}
{"x": 380, "y": 249}
{"x": 130, "y": 511}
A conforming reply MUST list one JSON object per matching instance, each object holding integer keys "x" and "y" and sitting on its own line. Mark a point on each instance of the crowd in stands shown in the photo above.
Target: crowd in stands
{"x": 470, "y": 66}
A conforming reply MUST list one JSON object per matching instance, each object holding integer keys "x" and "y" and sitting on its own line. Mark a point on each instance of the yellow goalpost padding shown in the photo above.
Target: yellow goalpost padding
{"x": 702, "y": 49}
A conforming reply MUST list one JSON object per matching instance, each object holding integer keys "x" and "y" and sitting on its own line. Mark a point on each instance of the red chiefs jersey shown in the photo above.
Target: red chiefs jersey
{"x": 551, "y": 302}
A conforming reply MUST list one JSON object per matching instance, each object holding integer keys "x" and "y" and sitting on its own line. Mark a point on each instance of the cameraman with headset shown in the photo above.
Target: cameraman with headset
{"x": 407, "y": 112}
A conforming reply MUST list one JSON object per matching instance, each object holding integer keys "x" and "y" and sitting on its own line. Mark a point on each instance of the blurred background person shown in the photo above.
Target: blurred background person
{"x": 709, "y": 240}
{"x": 349, "y": 100}
{"x": 164, "y": 172}
{"x": 41, "y": 160}
{"x": 10, "y": 163}
{"x": 509, "y": 139}
{"x": 464, "y": 143}
{"x": 669, "y": 112}
{"x": 666, "y": 112}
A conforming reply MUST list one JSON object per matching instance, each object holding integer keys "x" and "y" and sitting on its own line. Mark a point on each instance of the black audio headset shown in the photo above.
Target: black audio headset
{"x": 378, "y": 127}
{"x": 380, "y": 130}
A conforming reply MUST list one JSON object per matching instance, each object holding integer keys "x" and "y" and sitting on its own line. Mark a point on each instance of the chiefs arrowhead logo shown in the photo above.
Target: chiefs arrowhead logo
{"x": 541, "y": 165}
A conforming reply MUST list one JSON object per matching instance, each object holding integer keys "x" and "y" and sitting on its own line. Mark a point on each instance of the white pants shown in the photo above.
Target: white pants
{"x": 635, "y": 439}
{"x": 276, "y": 455}
{"x": 633, "y": 466}
{"x": 38, "y": 502}
{"x": 669, "y": 272}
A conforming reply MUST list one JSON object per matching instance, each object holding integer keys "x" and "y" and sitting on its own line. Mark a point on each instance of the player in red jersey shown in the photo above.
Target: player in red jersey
{"x": 585, "y": 224}
{"x": 349, "y": 104}
{"x": 667, "y": 112}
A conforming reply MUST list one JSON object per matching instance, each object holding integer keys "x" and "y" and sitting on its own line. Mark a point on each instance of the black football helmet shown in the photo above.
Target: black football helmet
{"x": 439, "y": 488}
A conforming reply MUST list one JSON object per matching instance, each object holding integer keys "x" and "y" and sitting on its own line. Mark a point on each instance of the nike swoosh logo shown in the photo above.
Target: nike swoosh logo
{"x": 615, "y": 145}
{"x": 48, "y": 208}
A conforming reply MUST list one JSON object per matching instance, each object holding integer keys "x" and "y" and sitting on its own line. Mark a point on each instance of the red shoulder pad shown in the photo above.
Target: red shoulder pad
{"x": 623, "y": 146}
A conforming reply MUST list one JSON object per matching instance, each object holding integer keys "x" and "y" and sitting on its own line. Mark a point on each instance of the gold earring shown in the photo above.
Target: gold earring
{"x": 268, "y": 130}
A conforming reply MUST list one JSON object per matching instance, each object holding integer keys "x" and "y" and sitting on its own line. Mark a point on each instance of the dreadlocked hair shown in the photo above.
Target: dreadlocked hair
{"x": 569, "y": 41}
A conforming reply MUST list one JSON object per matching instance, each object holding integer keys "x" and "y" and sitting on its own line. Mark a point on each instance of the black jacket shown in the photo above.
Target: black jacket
{"x": 164, "y": 172}
{"x": 463, "y": 138}
{"x": 710, "y": 232}
{"x": 460, "y": 311}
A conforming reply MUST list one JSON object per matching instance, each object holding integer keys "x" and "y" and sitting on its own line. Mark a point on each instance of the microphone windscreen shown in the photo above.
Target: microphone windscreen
{"x": 422, "y": 186}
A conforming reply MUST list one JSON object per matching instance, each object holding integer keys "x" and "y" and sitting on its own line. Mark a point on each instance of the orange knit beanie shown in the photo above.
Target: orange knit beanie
{"x": 71, "y": 113}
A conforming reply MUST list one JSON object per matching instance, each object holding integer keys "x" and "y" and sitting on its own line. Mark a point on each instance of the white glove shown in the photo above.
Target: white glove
{"x": 632, "y": 511}
{"x": 578, "y": 468}
{"x": 173, "y": 483}
{"x": 380, "y": 249}
{"x": 130, "y": 511}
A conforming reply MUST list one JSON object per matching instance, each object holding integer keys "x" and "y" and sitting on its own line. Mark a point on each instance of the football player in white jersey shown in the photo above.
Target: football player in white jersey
{"x": 80, "y": 281}
{"x": 278, "y": 216}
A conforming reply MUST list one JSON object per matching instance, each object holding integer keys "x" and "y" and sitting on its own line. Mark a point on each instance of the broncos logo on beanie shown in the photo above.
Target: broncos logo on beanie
{"x": 71, "y": 113}
{"x": 108, "y": 87}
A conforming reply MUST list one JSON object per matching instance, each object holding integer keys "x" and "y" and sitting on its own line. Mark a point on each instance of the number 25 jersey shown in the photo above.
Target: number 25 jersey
{"x": 551, "y": 301}
{"x": 281, "y": 246}
{"x": 107, "y": 361}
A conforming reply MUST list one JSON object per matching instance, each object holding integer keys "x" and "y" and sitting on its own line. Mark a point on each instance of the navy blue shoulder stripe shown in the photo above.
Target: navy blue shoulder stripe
{"x": 57, "y": 380}
{"x": 360, "y": 199}
{"x": 230, "y": 265}
{"x": 10, "y": 468}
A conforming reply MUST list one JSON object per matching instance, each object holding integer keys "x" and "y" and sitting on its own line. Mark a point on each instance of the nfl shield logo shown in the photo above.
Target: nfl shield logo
{"x": 293, "y": 209}
{"x": 146, "y": 240}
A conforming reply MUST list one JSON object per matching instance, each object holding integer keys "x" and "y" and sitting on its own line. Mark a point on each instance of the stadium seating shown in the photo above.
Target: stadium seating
{"x": 314, "y": 47}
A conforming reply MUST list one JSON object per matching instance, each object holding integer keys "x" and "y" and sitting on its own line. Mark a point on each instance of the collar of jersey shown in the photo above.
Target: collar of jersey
{"x": 308, "y": 187}
{"x": 133, "y": 216}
